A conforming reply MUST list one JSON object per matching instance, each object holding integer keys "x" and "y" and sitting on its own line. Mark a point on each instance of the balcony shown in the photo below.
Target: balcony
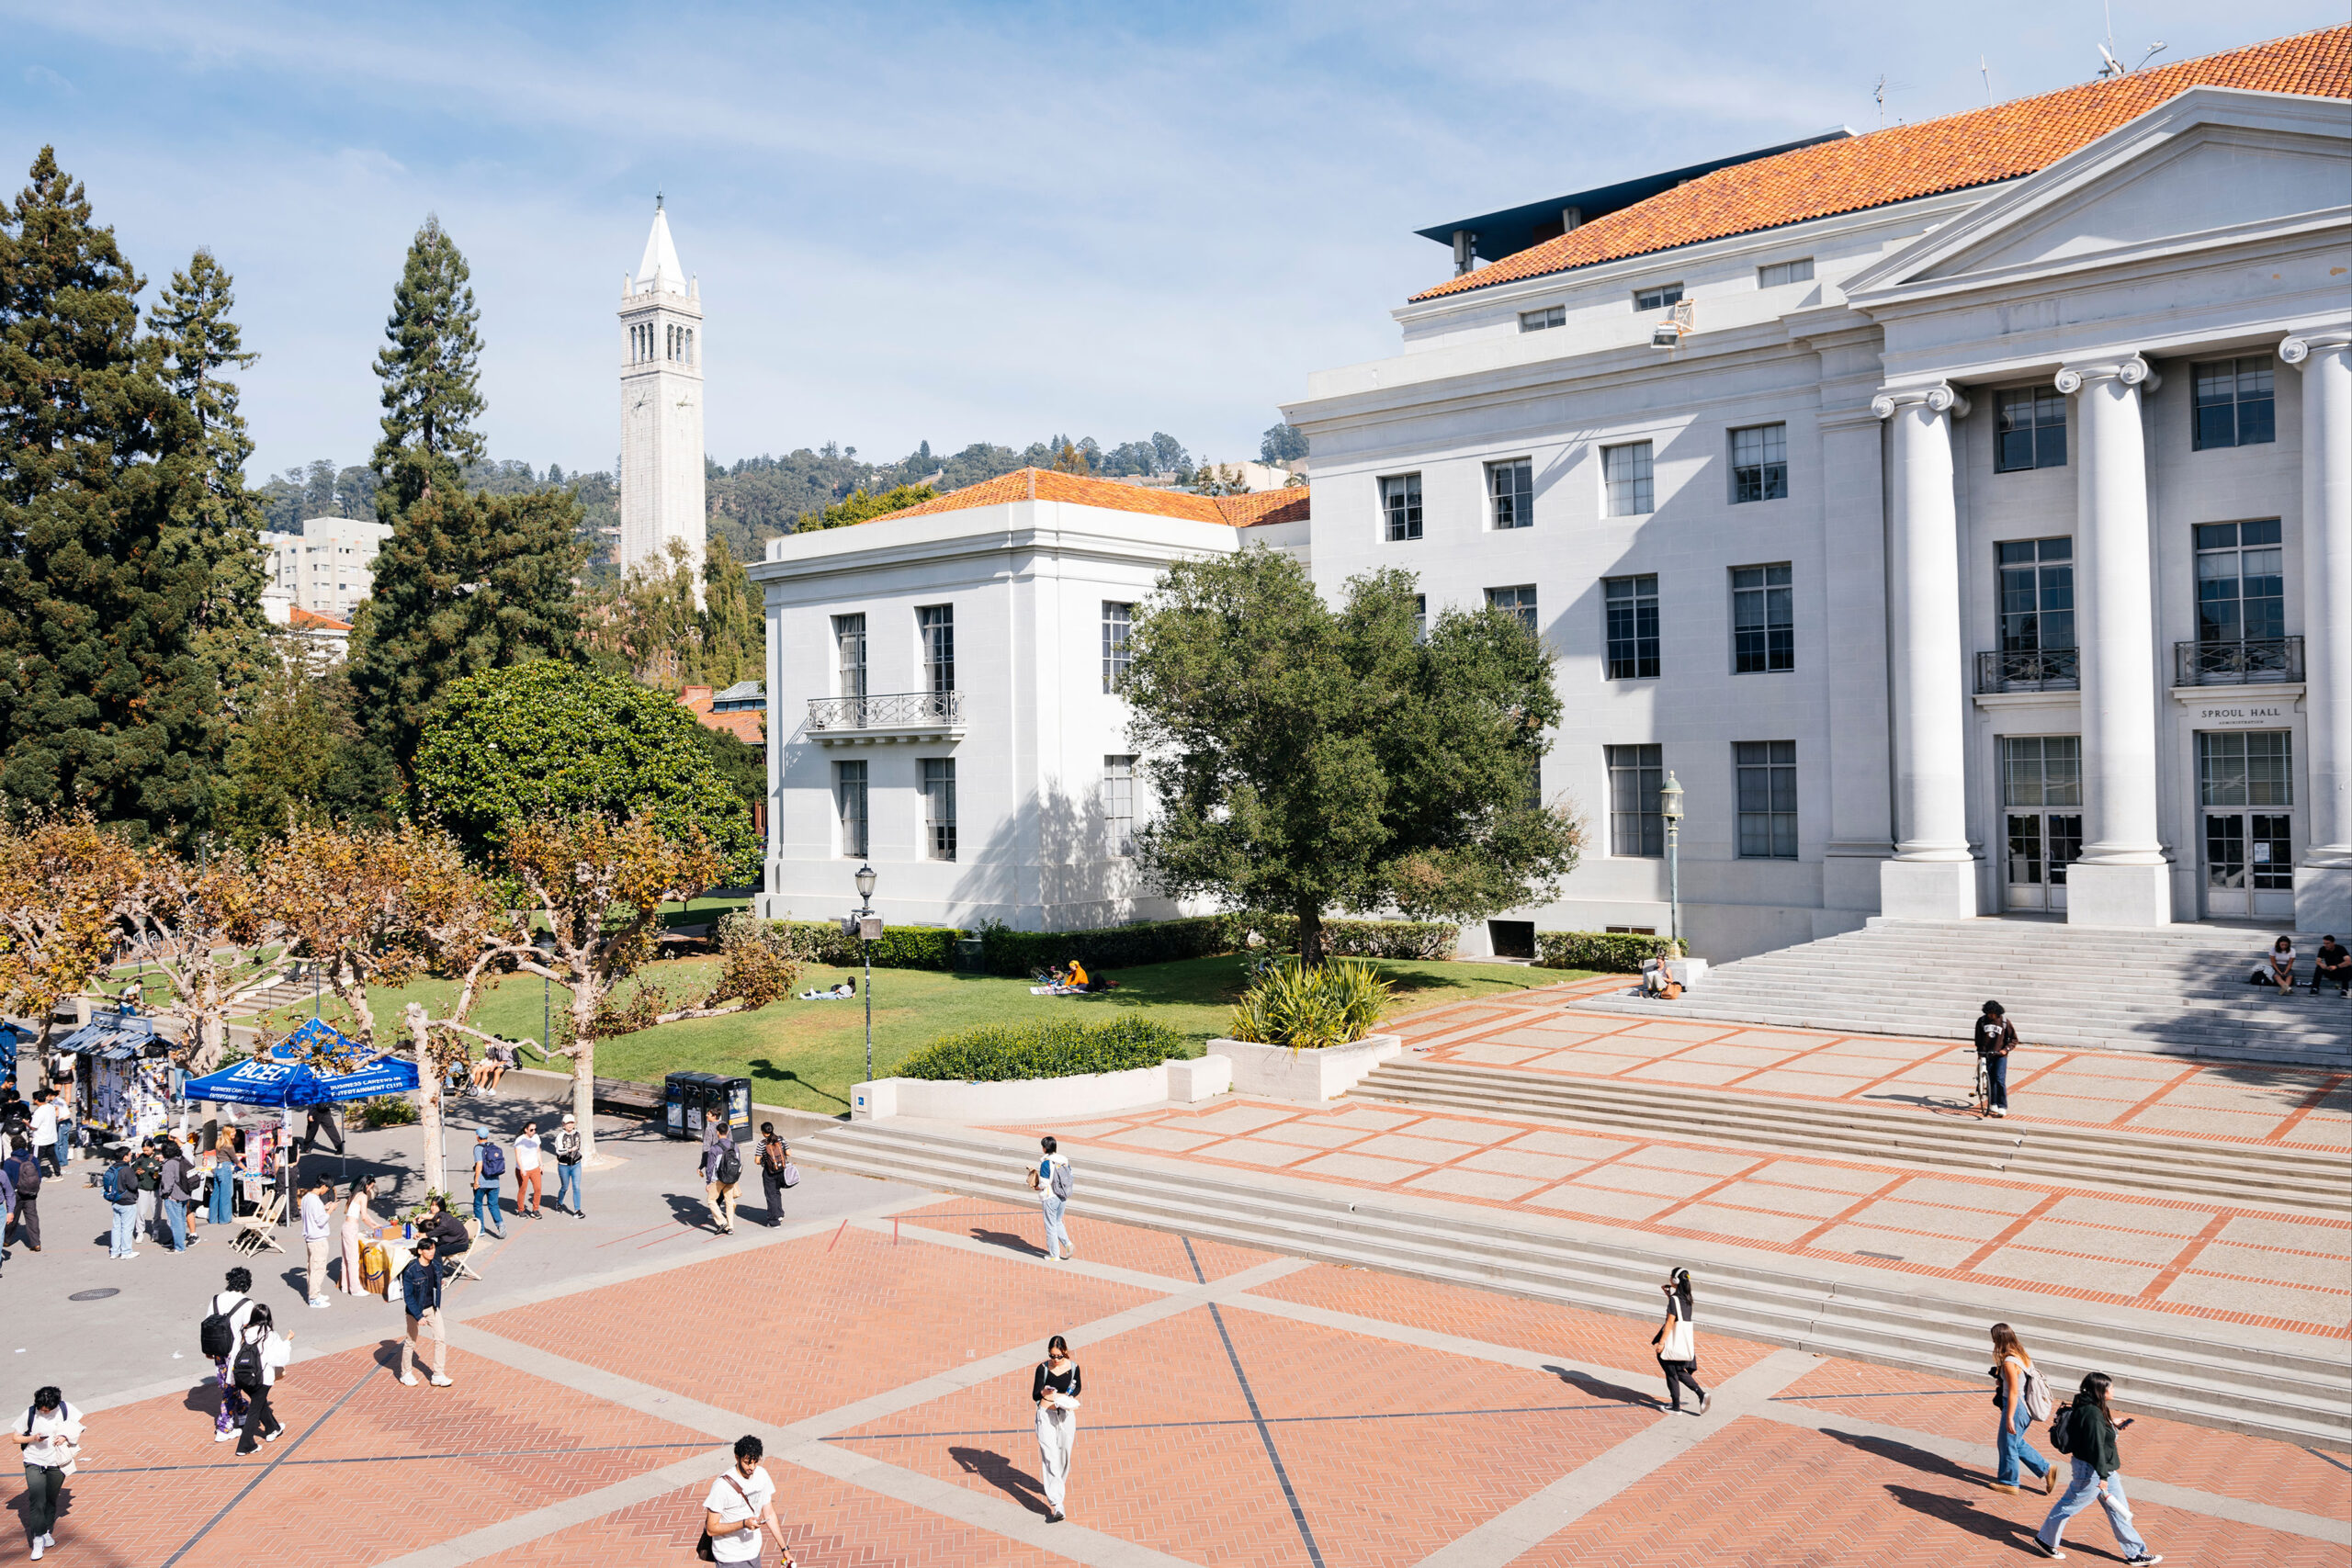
{"x": 891, "y": 716}
{"x": 2262, "y": 660}
{"x": 2049, "y": 669}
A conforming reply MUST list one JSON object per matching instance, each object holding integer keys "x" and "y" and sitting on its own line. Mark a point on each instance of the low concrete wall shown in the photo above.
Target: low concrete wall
{"x": 1277, "y": 1072}
{"x": 1018, "y": 1100}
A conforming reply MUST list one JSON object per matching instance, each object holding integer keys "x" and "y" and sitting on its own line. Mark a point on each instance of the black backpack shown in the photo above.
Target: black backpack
{"x": 214, "y": 1337}
{"x": 2061, "y": 1430}
{"x": 730, "y": 1165}
{"x": 245, "y": 1370}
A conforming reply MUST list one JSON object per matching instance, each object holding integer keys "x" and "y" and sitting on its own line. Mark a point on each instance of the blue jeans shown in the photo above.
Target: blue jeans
{"x": 2081, "y": 1488}
{"x": 176, "y": 1216}
{"x": 1057, "y": 1238}
{"x": 2014, "y": 1451}
{"x": 222, "y": 1194}
{"x": 486, "y": 1208}
{"x": 125, "y": 1240}
{"x": 1997, "y": 1081}
{"x": 566, "y": 1189}
{"x": 64, "y": 1142}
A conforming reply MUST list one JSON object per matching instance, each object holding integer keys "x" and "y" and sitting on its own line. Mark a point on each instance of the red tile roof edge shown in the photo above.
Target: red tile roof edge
{"x": 1108, "y": 495}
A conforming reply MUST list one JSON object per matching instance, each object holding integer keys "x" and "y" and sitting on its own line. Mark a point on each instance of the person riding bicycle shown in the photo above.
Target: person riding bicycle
{"x": 1995, "y": 1038}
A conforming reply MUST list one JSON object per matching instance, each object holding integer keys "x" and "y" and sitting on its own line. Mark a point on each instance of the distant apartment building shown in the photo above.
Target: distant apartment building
{"x": 742, "y": 710}
{"x": 327, "y": 569}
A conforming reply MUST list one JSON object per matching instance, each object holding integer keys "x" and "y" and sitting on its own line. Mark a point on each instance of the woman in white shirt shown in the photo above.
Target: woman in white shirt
{"x": 526, "y": 1171}
{"x": 50, "y": 1433}
{"x": 1678, "y": 1343}
{"x": 257, "y": 1374}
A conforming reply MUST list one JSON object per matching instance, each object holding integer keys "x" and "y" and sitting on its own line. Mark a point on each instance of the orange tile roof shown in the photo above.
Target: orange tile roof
{"x": 1050, "y": 484}
{"x": 299, "y": 619}
{"x": 1906, "y": 162}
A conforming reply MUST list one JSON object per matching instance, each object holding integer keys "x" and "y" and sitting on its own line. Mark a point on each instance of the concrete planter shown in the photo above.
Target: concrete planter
{"x": 1039, "y": 1099}
{"x": 1277, "y": 1072}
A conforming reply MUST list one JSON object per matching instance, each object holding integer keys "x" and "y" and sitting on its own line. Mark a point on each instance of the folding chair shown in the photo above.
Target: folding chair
{"x": 257, "y": 1233}
{"x": 461, "y": 1267}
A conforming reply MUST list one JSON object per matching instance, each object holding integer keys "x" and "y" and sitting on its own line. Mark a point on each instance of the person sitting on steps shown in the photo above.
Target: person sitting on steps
{"x": 2279, "y": 966}
{"x": 2332, "y": 961}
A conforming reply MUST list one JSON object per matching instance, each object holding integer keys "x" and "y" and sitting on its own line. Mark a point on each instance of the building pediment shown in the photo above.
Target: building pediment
{"x": 2210, "y": 167}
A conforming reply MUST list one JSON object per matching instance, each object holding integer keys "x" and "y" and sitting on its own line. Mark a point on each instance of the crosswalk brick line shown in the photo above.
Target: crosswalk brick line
{"x": 524, "y": 1529}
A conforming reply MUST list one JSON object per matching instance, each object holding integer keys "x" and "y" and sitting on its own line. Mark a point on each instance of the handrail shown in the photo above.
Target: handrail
{"x": 2248, "y": 661}
{"x": 2044, "y": 670}
{"x": 892, "y": 710}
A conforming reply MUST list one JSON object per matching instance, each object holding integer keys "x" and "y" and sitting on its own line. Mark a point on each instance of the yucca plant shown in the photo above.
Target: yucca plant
{"x": 1308, "y": 1009}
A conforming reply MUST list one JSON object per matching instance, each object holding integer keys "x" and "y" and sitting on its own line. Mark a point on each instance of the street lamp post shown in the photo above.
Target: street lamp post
{"x": 865, "y": 913}
{"x": 1670, "y": 806}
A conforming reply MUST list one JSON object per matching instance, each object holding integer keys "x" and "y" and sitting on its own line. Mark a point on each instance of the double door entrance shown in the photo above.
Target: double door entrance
{"x": 2246, "y": 792}
{"x": 2042, "y": 794}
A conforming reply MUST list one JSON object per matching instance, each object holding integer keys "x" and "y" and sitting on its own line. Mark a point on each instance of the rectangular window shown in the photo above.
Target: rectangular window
{"x": 2240, "y": 582}
{"x": 1511, "y": 486}
{"x": 1777, "y": 272}
{"x": 2245, "y": 767}
{"x": 1657, "y": 296}
{"x": 939, "y": 806}
{"x": 1520, "y": 601}
{"x": 1759, "y": 463}
{"x": 1629, "y": 604}
{"x": 2030, "y": 429}
{"x": 1763, "y": 621}
{"x": 2037, "y": 595}
{"x": 2234, "y": 404}
{"x": 1421, "y": 618}
{"x": 1119, "y": 804}
{"x": 2041, "y": 770}
{"x": 849, "y": 803}
{"x": 1767, "y": 798}
{"x": 1626, "y": 472}
{"x": 849, "y": 642}
{"x": 1537, "y": 320}
{"x": 1637, "y": 821}
{"x": 1117, "y": 619}
{"x": 1401, "y": 502}
{"x": 936, "y": 623}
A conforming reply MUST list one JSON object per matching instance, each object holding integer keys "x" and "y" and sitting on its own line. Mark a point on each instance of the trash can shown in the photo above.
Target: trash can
{"x": 689, "y": 1099}
{"x": 971, "y": 955}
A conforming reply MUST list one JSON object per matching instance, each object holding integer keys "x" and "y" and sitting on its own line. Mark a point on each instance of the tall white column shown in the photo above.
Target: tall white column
{"x": 2324, "y": 878}
{"x": 2122, "y": 878}
{"x": 1932, "y": 876}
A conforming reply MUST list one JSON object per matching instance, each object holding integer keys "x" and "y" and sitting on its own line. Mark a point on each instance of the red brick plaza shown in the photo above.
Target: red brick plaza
{"x": 1239, "y": 1408}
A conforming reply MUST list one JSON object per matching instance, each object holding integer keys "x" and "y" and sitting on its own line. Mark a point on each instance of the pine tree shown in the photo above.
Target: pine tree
{"x": 734, "y": 631}
{"x": 216, "y": 515}
{"x": 429, "y": 368}
{"x": 105, "y": 704}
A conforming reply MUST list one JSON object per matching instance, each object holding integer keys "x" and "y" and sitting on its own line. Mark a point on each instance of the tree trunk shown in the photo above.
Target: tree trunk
{"x": 1310, "y": 936}
{"x": 428, "y": 1096}
{"x": 583, "y": 1064}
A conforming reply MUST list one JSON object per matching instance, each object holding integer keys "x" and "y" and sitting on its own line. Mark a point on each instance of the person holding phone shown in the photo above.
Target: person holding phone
{"x": 2098, "y": 1472}
{"x": 1055, "y": 1389}
{"x": 742, "y": 1501}
{"x": 50, "y": 1438}
{"x": 1678, "y": 1343}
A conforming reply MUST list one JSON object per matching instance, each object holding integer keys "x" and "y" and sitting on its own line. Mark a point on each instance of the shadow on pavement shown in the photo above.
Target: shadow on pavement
{"x": 1617, "y": 1393}
{"x": 999, "y": 1472}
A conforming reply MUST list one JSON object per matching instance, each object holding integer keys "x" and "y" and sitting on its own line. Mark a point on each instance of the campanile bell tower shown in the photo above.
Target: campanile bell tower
{"x": 662, "y": 451}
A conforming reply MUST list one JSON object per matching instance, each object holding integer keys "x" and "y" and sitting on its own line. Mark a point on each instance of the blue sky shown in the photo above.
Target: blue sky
{"x": 932, "y": 222}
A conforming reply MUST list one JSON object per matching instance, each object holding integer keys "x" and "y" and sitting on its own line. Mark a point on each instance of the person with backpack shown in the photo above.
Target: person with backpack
{"x": 489, "y": 1168}
{"x": 1053, "y": 1181}
{"x": 2022, "y": 1399}
{"x": 24, "y": 1204}
{"x": 49, "y": 1435}
{"x": 568, "y": 1150}
{"x": 741, "y": 1501}
{"x": 1995, "y": 1038}
{"x": 261, "y": 1353}
{"x": 2085, "y": 1432}
{"x": 173, "y": 1193}
{"x": 224, "y": 1319}
{"x": 776, "y": 1171}
{"x": 120, "y": 1185}
{"x": 1678, "y": 1343}
{"x": 420, "y": 1296}
{"x": 722, "y": 1170}
{"x": 149, "y": 1168}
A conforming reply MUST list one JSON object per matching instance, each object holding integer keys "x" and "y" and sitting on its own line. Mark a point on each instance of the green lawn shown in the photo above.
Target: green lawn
{"x": 805, "y": 1055}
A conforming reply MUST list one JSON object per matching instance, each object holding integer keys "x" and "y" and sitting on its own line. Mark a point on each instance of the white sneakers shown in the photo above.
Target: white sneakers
{"x": 409, "y": 1378}
{"x": 320, "y": 1302}
{"x": 440, "y": 1381}
{"x": 224, "y": 1436}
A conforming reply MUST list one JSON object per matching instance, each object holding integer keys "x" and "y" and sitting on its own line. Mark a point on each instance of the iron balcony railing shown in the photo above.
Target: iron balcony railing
{"x": 2047, "y": 670}
{"x": 2250, "y": 661}
{"x": 893, "y": 710}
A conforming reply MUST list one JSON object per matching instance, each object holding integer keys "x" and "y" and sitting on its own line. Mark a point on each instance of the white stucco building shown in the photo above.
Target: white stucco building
{"x": 1962, "y": 513}
{"x": 661, "y": 450}
{"x": 939, "y": 700}
{"x": 326, "y": 566}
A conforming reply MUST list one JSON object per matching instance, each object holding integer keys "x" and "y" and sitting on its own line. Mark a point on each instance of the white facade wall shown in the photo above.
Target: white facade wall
{"x": 326, "y": 568}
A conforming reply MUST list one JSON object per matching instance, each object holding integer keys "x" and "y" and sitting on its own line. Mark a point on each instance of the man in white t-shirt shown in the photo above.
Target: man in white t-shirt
{"x": 45, "y": 1130}
{"x": 740, "y": 1503}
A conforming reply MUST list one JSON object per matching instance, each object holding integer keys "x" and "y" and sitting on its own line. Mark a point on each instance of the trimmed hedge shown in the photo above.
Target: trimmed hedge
{"x": 1053, "y": 1048}
{"x": 1427, "y": 939}
{"x": 901, "y": 947}
{"x": 1008, "y": 952}
{"x": 1004, "y": 951}
{"x": 1611, "y": 952}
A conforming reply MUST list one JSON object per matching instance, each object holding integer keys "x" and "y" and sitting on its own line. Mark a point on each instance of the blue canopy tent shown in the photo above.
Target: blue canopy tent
{"x": 285, "y": 1078}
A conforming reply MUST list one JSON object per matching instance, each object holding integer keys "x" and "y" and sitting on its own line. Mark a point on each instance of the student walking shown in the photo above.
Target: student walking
{"x": 1995, "y": 1038}
{"x": 741, "y": 1502}
{"x": 1052, "y": 1182}
{"x": 25, "y": 1207}
{"x": 567, "y": 1167}
{"x": 321, "y": 1120}
{"x": 318, "y": 1238}
{"x": 722, "y": 1172}
{"x": 1678, "y": 1343}
{"x": 228, "y": 1312}
{"x": 149, "y": 1167}
{"x": 489, "y": 1167}
{"x": 526, "y": 1171}
{"x": 2022, "y": 1399}
{"x": 261, "y": 1353}
{"x": 2085, "y": 1432}
{"x": 44, "y": 1130}
{"x": 50, "y": 1436}
{"x": 120, "y": 1185}
{"x": 775, "y": 1171}
{"x": 421, "y": 1295}
{"x": 174, "y": 1194}
{"x": 1055, "y": 1391}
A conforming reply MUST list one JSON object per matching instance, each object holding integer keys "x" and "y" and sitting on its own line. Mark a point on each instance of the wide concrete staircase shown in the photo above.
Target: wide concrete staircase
{"x": 2225, "y": 1378}
{"x": 2187, "y": 1168}
{"x": 2181, "y": 990}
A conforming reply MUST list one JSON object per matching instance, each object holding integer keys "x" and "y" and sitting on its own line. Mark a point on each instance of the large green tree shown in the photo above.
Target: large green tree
{"x": 300, "y": 756}
{"x": 1308, "y": 760}
{"x": 547, "y": 741}
{"x": 430, "y": 366}
{"x": 467, "y": 582}
{"x": 106, "y": 701}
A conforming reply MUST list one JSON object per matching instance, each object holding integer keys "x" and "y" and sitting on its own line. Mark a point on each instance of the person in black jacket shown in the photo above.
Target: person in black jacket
{"x": 1055, "y": 1389}
{"x": 2090, "y": 1428}
{"x": 421, "y": 1297}
{"x": 1995, "y": 1038}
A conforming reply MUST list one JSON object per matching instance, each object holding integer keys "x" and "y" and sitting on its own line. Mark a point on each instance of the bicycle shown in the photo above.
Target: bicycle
{"x": 1983, "y": 1093}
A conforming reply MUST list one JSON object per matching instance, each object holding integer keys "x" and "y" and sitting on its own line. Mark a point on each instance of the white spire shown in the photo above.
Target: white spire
{"x": 660, "y": 273}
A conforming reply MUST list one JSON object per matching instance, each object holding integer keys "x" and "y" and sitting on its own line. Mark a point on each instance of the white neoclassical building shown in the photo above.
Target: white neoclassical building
{"x": 1961, "y": 512}
{"x": 661, "y": 449}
